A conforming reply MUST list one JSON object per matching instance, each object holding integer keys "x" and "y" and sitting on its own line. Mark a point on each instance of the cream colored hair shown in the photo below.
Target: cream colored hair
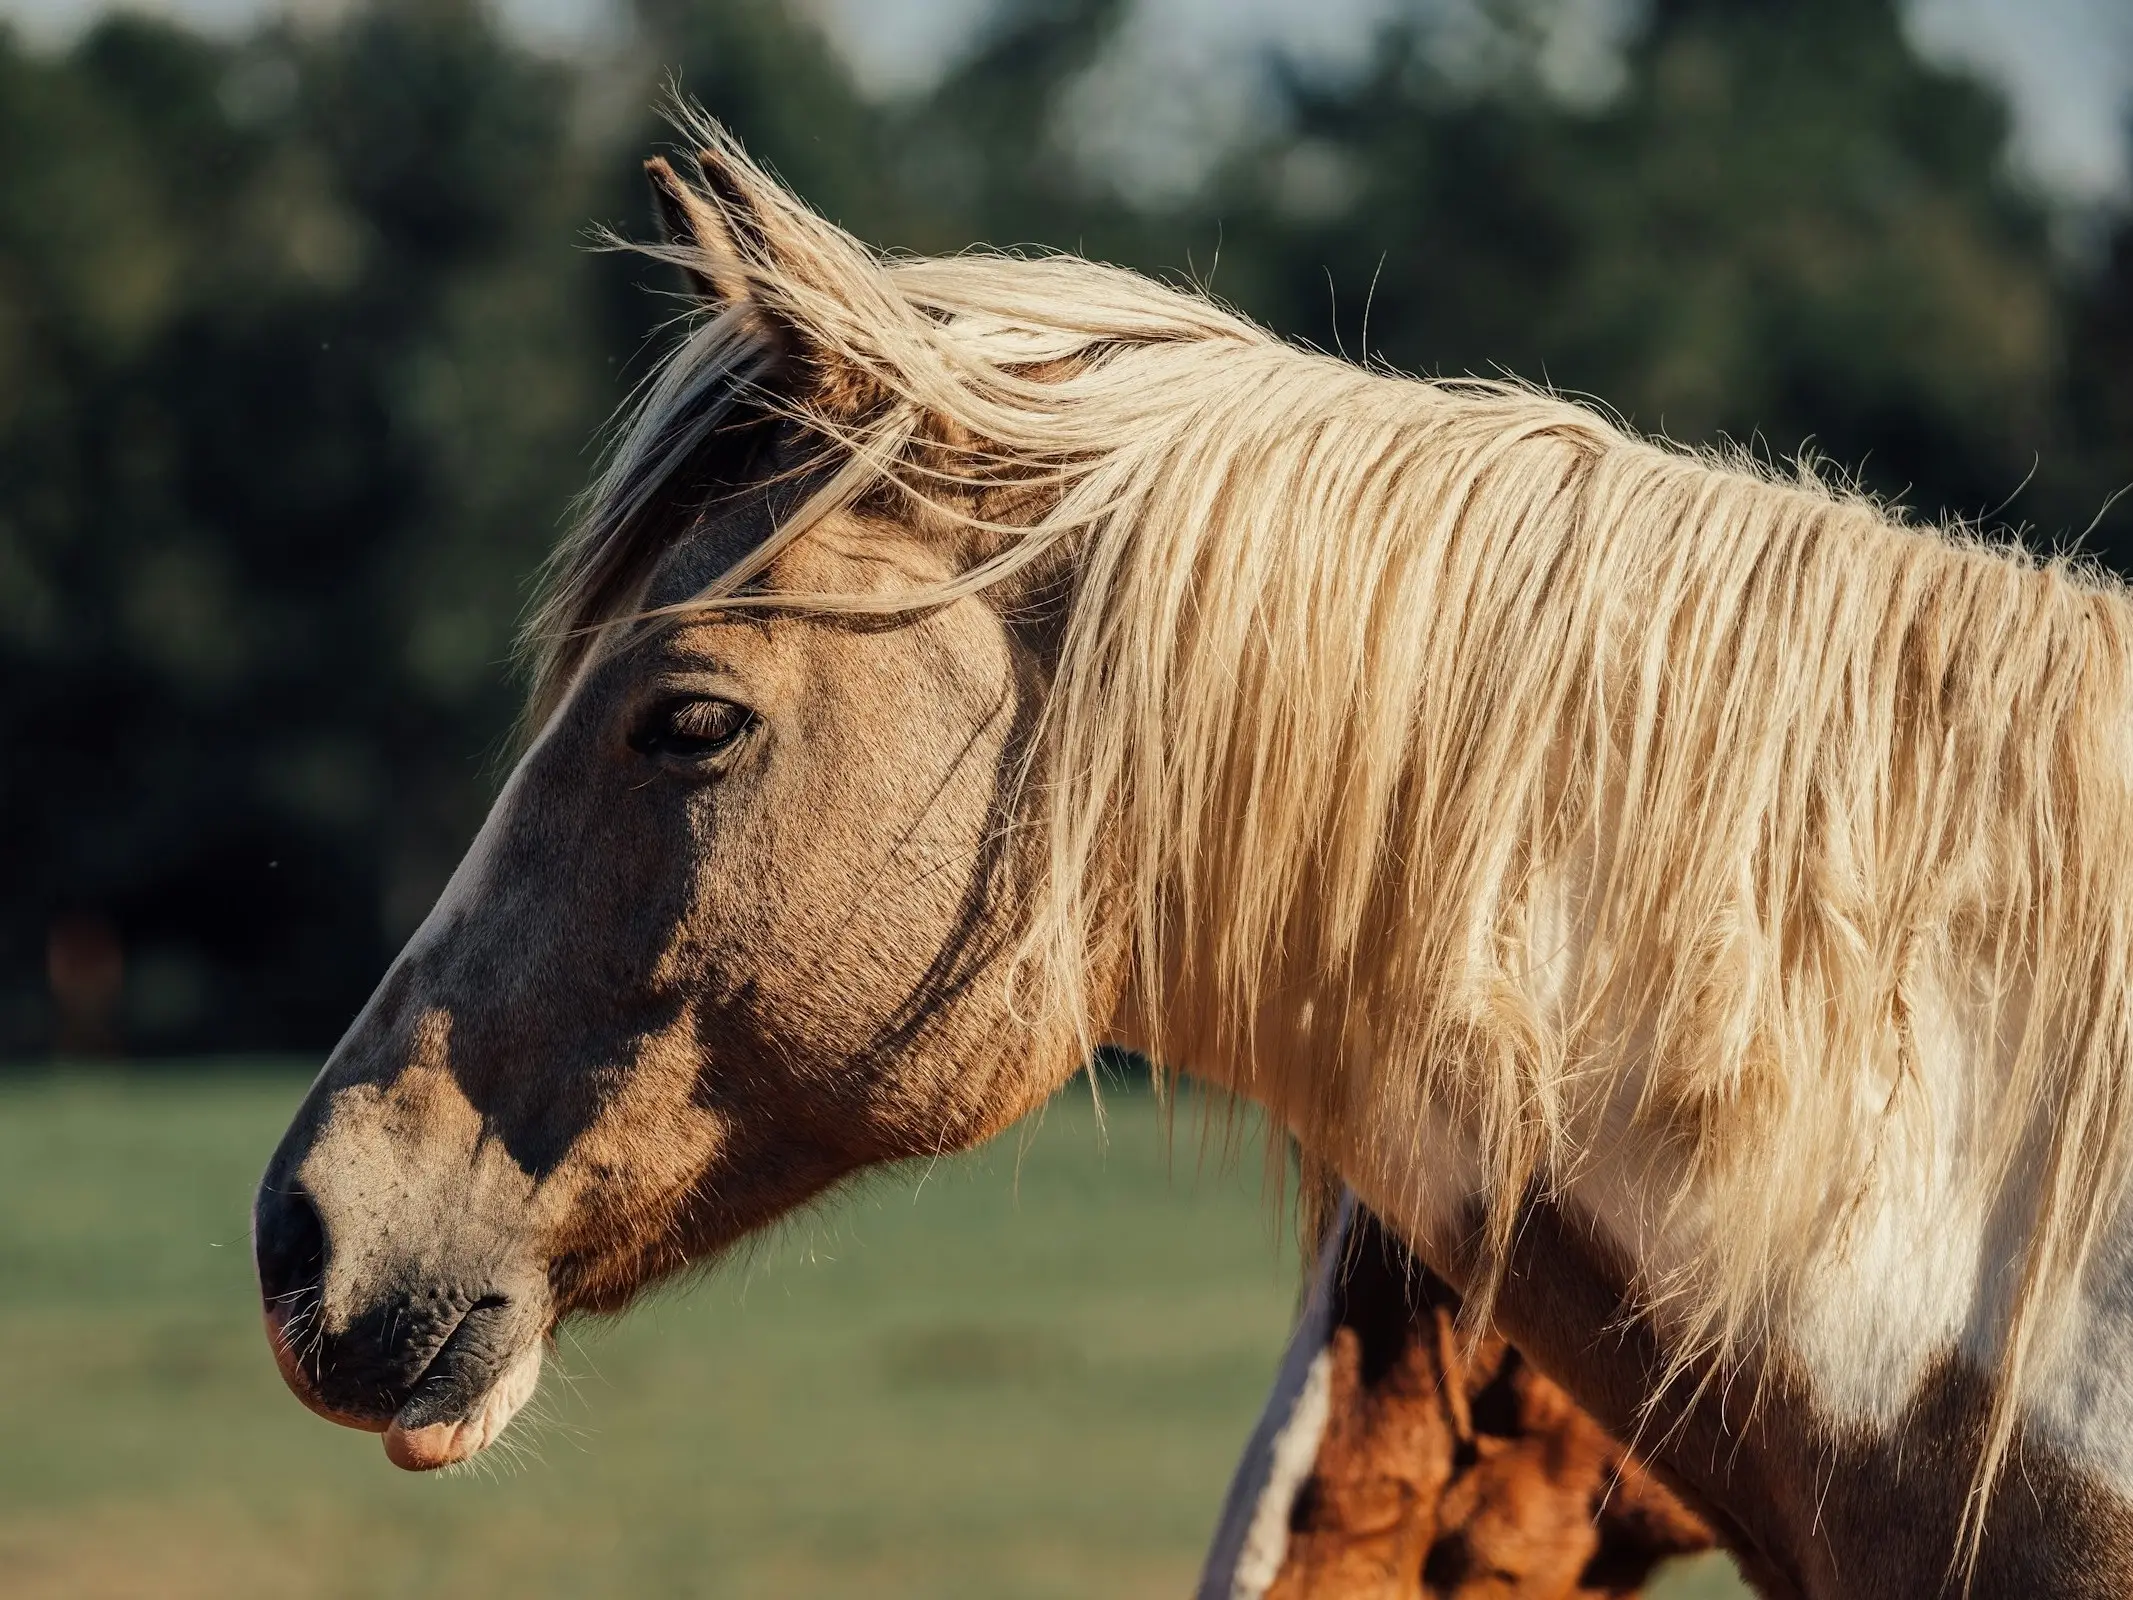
{"x": 1363, "y": 675}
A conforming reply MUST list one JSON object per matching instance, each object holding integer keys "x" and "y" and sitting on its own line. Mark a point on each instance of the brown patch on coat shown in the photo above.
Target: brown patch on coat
{"x": 1810, "y": 1510}
{"x": 1450, "y": 1469}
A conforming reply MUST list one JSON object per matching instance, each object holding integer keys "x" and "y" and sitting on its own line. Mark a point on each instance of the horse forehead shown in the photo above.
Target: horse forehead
{"x": 862, "y": 555}
{"x": 845, "y": 553}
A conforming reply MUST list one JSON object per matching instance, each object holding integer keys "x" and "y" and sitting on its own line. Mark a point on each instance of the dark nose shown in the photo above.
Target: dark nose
{"x": 434, "y": 1341}
{"x": 288, "y": 1247}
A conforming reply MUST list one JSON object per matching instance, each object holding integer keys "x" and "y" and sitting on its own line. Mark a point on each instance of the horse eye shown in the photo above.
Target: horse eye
{"x": 692, "y": 730}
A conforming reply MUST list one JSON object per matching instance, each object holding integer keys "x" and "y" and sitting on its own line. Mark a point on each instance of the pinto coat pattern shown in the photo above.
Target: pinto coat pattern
{"x": 1694, "y": 909}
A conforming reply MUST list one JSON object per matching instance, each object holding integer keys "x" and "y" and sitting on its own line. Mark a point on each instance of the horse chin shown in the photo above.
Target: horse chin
{"x": 418, "y": 1441}
{"x": 459, "y": 1406}
{"x": 289, "y": 1361}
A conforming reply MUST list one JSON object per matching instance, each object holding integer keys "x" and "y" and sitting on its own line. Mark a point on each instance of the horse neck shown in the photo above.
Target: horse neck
{"x": 1360, "y": 805}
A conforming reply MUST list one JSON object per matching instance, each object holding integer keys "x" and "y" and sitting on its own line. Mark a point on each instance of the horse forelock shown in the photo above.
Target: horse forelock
{"x": 1446, "y": 747}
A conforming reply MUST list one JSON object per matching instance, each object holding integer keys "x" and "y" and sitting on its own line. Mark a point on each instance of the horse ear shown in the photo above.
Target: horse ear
{"x": 748, "y": 241}
{"x": 771, "y": 234}
{"x": 750, "y": 223}
{"x": 702, "y": 244}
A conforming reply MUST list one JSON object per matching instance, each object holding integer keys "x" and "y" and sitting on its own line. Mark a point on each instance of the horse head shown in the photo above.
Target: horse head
{"x": 734, "y": 927}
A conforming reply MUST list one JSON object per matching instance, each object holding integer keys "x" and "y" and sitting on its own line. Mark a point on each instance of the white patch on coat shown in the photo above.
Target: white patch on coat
{"x": 1266, "y": 1542}
{"x": 1922, "y": 1267}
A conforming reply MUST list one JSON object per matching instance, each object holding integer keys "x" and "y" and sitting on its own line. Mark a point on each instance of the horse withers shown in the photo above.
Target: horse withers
{"x": 1695, "y": 910}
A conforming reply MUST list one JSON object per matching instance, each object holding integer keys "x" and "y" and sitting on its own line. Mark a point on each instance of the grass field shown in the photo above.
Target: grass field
{"x": 1026, "y": 1376}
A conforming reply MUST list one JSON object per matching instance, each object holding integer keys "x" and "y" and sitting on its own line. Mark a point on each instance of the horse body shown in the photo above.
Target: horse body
{"x": 1695, "y": 910}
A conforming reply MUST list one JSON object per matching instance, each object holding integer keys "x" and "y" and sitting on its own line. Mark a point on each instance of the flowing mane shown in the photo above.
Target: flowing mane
{"x": 1505, "y": 767}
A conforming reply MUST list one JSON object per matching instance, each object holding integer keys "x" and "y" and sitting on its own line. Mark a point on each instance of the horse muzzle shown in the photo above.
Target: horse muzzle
{"x": 437, "y": 1363}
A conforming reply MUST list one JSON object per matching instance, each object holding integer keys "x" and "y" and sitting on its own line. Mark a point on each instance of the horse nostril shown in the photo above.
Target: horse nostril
{"x": 289, "y": 1247}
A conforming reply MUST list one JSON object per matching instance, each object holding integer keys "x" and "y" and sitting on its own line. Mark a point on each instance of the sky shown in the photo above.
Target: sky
{"x": 1186, "y": 71}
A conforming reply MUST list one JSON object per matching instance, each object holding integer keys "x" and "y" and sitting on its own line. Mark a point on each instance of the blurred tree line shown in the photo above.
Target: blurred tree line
{"x": 302, "y": 358}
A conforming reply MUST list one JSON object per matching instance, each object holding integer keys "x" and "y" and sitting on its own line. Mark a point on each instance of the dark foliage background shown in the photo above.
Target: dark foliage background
{"x": 302, "y": 357}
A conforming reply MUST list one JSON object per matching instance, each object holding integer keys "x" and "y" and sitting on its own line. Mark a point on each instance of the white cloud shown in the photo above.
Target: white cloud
{"x": 2067, "y": 68}
{"x": 898, "y": 46}
{"x": 550, "y": 24}
{"x": 1186, "y": 75}
{"x": 54, "y": 22}
{"x": 1182, "y": 82}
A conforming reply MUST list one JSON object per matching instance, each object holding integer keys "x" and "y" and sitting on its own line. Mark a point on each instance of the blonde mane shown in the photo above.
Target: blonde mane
{"x": 1445, "y": 751}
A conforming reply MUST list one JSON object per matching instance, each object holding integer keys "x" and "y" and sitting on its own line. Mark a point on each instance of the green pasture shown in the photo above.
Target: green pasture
{"x": 1025, "y": 1373}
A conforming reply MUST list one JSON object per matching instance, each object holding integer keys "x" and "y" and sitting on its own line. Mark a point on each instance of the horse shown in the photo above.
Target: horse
{"x": 1691, "y": 904}
{"x": 1394, "y": 1462}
